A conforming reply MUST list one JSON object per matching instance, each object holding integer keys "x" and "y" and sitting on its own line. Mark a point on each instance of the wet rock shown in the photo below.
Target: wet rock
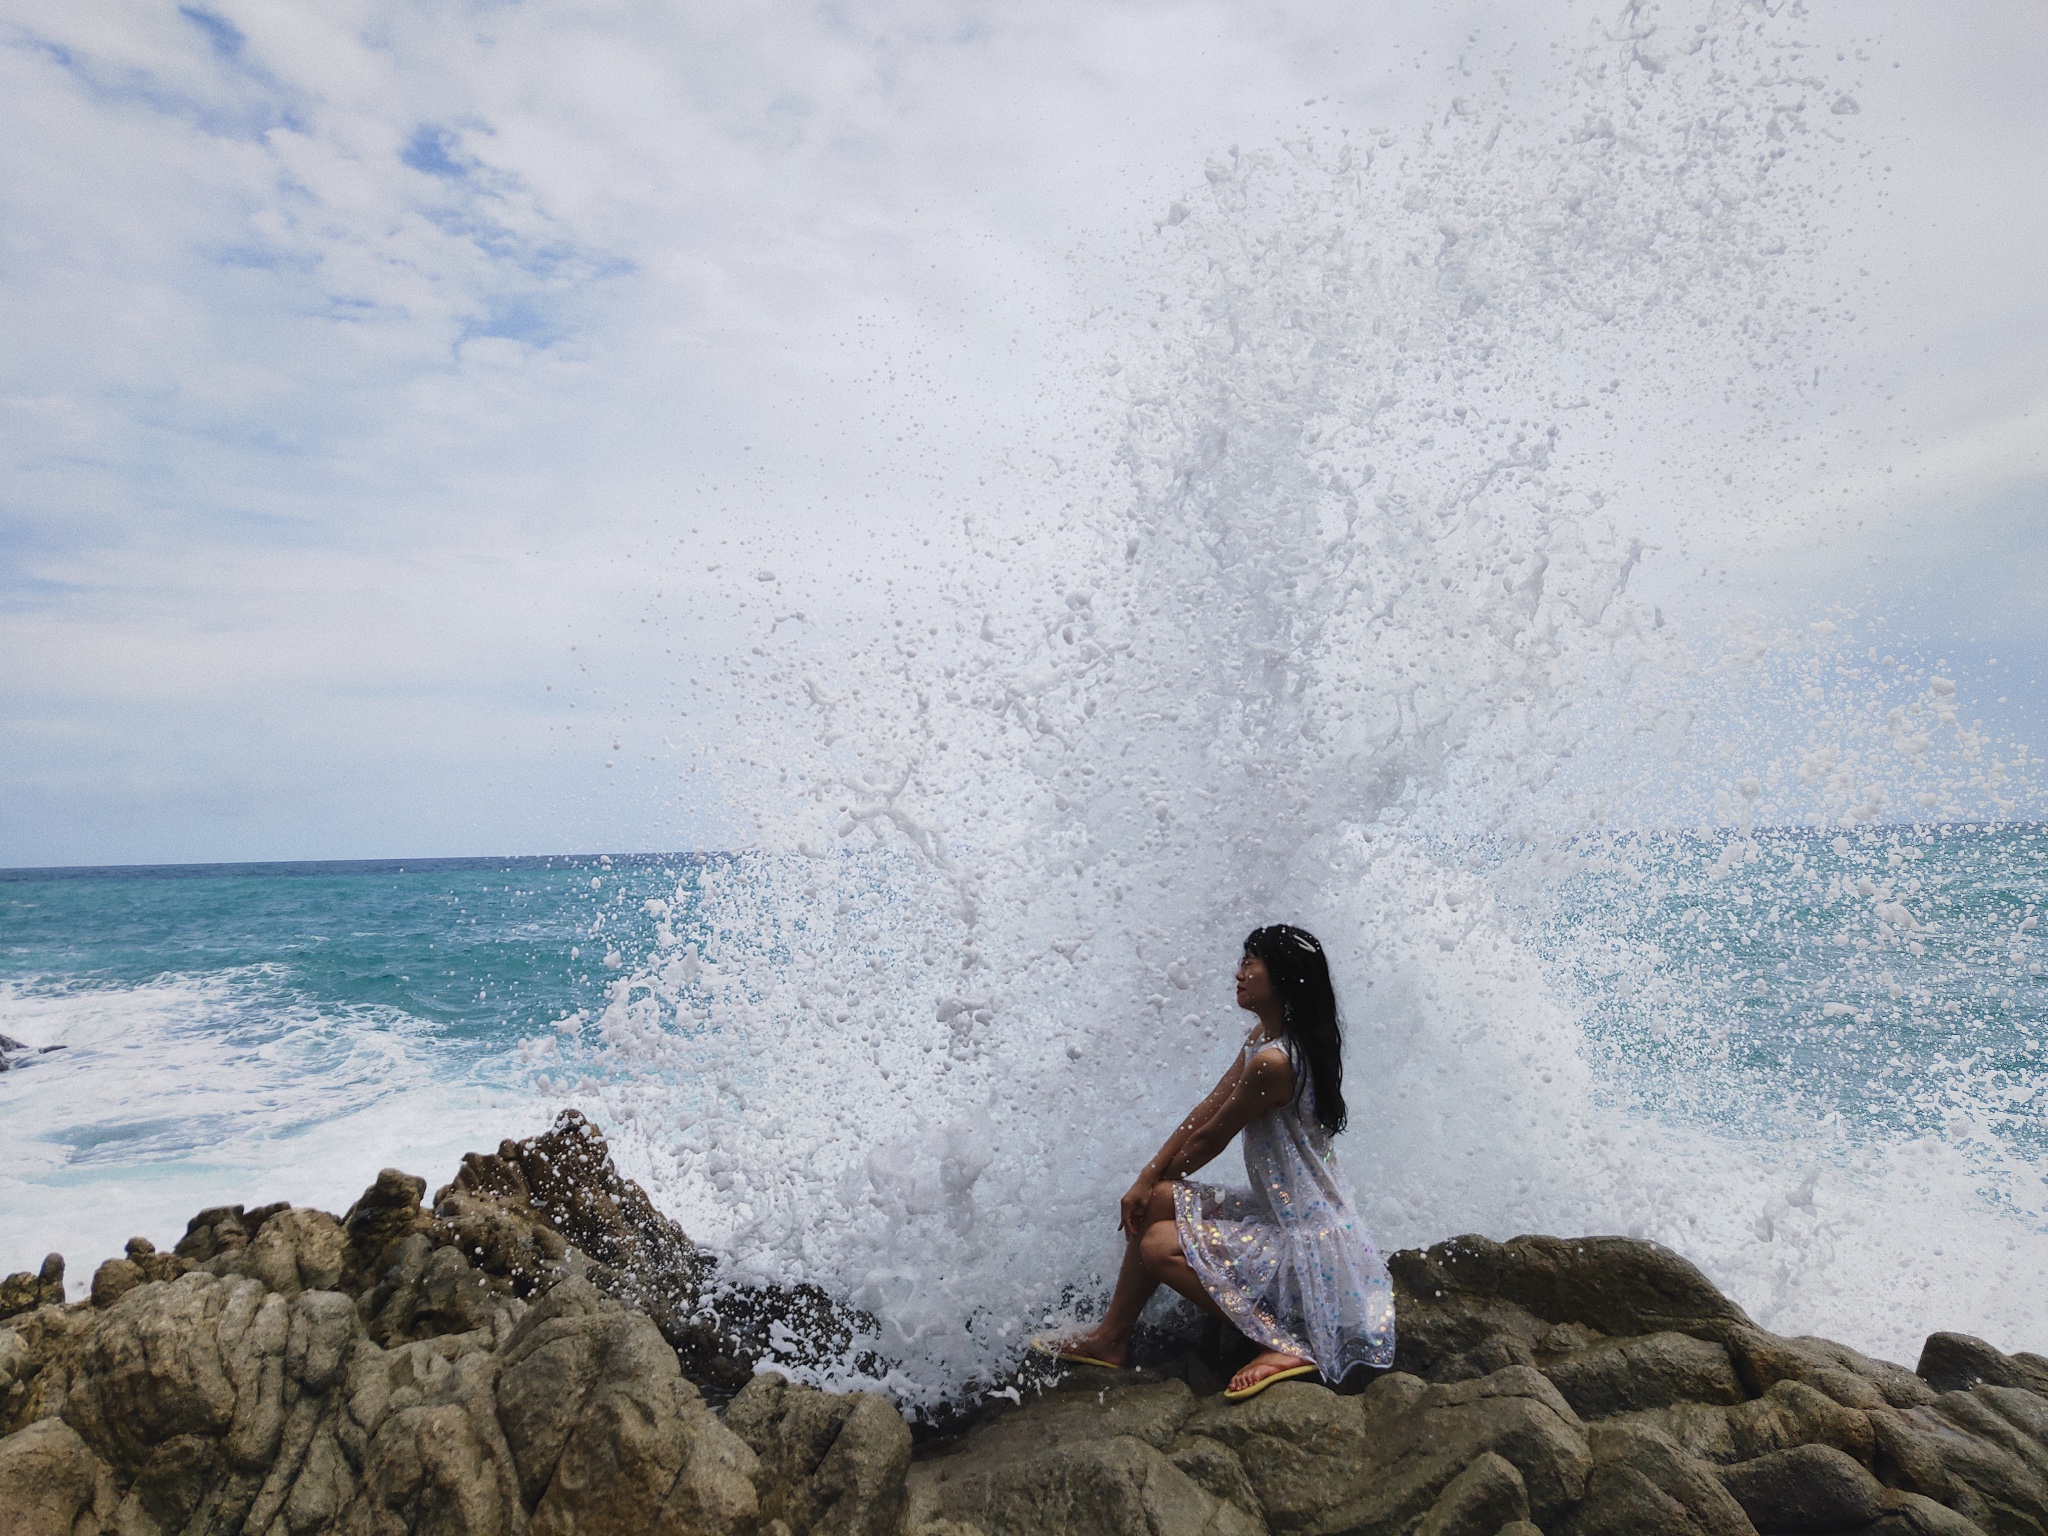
{"x": 1849, "y": 1377}
{"x": 1643, "y": 1481}
{"x": 829, "y": 1463}
{"x": 1983, "y": 1453}
{"x": 1480, "y": 1500}
{"x": 294, "y": 1250}
{"x": 1379, "y": 1461}
{"x": 1614, "y": 1285}
{"x": 1076, "y": 1463}
{"x": 1621, "y": 1375}
{"x": 1807, "y": 1488}
{"x": 1956, "y": 1362}
{"x": 1217, "y": 1471}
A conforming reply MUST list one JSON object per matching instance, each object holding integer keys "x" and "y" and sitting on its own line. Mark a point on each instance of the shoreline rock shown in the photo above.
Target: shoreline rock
{"x": 541, "y": 1351}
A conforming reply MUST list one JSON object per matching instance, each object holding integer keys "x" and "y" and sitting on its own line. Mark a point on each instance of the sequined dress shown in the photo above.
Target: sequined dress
{"x": 1288, "y": 1260}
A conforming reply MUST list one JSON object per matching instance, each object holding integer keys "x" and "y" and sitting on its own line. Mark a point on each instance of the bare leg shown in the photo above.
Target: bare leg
{"x": 1139, "y": 1276}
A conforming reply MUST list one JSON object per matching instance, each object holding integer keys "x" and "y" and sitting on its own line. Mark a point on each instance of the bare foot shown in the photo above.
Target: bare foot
{"x": 1095, "y": 1344}
{"x": 1262, "y": 1367}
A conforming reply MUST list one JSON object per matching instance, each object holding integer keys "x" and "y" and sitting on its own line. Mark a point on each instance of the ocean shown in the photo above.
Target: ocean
{"x": 1772, "y": 1068}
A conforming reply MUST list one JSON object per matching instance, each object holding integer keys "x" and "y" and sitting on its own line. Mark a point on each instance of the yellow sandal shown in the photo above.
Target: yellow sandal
{"x": 1070, "y": 1357}
{"x": 1264, "y": 1382}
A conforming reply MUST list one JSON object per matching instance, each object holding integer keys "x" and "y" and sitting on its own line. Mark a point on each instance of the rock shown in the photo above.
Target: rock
{"x": 151, "y": 1370}
{"x": 1852, "y": 1379}
{"x": 606, "y": 1433}
{"x": 384, "y": 1216}
{"x": 23, "y": 1292}
{"x": 113, "y": 1280}
{"x": 1653, "y": 1371}
{"x": 1379, "y": 1461}
{"x": 294, "y": 1250}
{"x": 1643, "y": 1481}
{"x": 829, "y": 1463}
{"x": 1615, "y": 1285}
{"x": 1910, "y": 1514}
{"x": 1215, "y": 1469}
{"x": 1807, "y": 1488}
{"x": 1478, "y": 1501}
{"x": 48, "y": 1480}
{"x": 1956, "y": 1362}
{"x": 429, "y": 1292}
{"x": 1983, "y": 1453}
{"x": 19, "y": 1293}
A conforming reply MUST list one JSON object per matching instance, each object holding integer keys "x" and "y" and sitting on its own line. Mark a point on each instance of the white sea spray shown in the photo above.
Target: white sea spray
{"x": 1327, "y": 619}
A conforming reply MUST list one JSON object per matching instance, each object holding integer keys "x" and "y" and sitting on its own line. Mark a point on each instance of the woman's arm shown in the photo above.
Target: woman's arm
{"x": 1131, "y": 1211}
{"x": 1266, "y": 1084}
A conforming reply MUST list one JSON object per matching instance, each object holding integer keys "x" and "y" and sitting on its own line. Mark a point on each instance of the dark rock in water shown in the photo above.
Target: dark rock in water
{"x": 14, "y": 1053}
{"x": 24, "y": 1292}
{"x": 1956, "y": 1362}
{"x": 518, "y": 1360}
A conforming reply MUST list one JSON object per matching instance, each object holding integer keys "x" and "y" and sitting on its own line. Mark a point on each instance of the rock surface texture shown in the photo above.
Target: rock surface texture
{"x": 541, "y": 1353}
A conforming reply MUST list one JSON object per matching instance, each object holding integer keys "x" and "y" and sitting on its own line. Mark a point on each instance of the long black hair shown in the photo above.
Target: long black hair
{"x": 1300, "y": 974}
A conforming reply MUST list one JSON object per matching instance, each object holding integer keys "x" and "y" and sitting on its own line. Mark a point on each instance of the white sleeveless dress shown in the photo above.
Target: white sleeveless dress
{"x": 1288, "y": 1260}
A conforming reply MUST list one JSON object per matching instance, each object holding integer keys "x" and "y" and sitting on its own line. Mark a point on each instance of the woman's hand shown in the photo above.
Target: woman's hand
{"x": 1131, "y": 1211}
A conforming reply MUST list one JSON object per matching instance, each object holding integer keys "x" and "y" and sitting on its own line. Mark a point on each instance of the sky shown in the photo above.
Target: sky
{"x": 397, "y": 401}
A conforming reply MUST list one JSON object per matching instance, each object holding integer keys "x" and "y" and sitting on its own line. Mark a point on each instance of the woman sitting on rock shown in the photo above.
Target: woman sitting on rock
{"x": 1287, "y": 1262}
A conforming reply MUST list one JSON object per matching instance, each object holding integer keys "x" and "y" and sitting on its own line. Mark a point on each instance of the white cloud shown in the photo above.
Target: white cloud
{"x": 355, "y": 350}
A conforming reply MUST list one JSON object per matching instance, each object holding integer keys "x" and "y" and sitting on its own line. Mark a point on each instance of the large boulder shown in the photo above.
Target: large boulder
{"x": 1644, "y": 1481}
{"x": 606, "y": 1433}
{"x": 832, "y": 1463}
{"x": 1956, "y": 1362}
{"x": 1378, "y": 1462}
{"x": 1073, "y": 1463}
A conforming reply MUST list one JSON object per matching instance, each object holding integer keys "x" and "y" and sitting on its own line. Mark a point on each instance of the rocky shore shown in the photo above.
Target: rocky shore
{"x": 539, "y": 1352}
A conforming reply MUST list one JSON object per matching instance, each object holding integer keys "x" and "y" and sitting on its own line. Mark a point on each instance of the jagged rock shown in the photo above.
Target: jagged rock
{"x": 1377, "y": 1462}
{"x": 1073, "y": 1463}
{"x": 383, "y": 1217}
{"x": 475, "y": 1370}
{"x": 1983, "y": 1453}
{"x": 1620, "y": 1375}
{"x": 829, "y": 1463}
{"x": 1850, "y": 1378}
{"x": 223, "y": 1230}
{"x": 1643, "y": 1481}
{"x": 48, "y": 1480}
{"x": 607, "y": 1434}
{"x": 24, "y": 1292}
{"x": 1911, "y": 1514}
{"x": 1478, "y": 1501}
{"x": 1956, "y": 1362}
{"x": 1217, "y": 1471}
{"x": 1807, "y": 1488}
{"x": 1790, "y": 1414}
{"x": 428, "y": 1292}
{"x": 1614, "y": 1285}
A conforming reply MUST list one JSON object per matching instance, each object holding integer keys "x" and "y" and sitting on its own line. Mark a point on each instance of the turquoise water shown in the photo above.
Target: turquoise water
{"x": 1761, "y": 1018}
{"x": 229, "y": 1029}
{"x": 1888, "y": 981}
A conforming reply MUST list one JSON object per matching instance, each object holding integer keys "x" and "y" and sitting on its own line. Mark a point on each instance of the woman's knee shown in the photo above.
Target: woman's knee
{"x": 1160, "y": 1244}
{"x": 1162, "y": 1207}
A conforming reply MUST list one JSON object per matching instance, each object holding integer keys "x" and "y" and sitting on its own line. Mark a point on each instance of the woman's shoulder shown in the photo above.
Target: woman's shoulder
{"x": 1268, "y": 1059}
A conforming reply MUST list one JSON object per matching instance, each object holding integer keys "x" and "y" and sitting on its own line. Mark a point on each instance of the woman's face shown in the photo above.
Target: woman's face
{"x": 1254, "y": 987}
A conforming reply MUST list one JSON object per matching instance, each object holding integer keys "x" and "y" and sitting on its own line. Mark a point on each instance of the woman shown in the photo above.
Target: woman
{"x": 1287, "y": 1261}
